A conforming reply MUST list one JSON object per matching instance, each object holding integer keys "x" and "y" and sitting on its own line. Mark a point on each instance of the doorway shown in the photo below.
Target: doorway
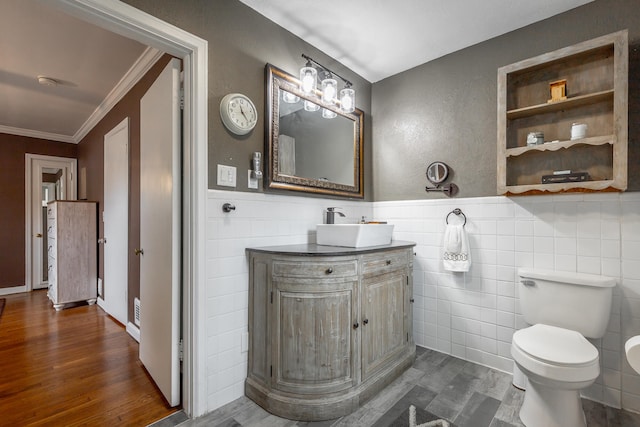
{"x": 47, "y": 178}
{"x": 131, "y": 22}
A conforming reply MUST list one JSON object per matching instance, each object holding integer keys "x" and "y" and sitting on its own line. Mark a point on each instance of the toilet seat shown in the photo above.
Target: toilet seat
{"x": 555, "y": 353}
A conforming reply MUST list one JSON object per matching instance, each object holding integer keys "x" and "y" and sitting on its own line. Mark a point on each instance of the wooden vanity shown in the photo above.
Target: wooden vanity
{"x": 329, "y": 326}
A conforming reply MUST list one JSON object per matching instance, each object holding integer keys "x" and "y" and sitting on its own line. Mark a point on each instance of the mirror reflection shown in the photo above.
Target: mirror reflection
{"x": 312, "y": 147}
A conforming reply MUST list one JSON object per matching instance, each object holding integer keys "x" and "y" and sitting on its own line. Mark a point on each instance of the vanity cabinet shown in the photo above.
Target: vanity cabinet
{"x": 328, "y": 327}
{"x": 72, "y": 252}
{"x": 595, "y": 73}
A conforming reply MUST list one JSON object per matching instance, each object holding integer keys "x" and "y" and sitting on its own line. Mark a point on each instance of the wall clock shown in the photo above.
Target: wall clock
{"x": 238, "y": 113}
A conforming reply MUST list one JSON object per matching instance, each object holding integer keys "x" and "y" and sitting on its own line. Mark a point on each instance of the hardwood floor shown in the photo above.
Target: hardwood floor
{"x": 74, "y": 367}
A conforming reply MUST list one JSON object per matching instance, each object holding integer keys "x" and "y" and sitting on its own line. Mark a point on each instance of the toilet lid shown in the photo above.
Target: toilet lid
{"x": 555, "y": 345}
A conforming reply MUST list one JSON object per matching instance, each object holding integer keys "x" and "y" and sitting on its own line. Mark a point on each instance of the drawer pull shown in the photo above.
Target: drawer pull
{"x": 355, "y": 325}
{"x": 329, "y": 270}
{"x": 388, "y": 262}
{"x": 365, "y": 322}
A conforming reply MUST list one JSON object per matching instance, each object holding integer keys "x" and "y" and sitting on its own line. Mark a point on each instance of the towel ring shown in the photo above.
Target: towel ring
{"x": 457, "y": 212}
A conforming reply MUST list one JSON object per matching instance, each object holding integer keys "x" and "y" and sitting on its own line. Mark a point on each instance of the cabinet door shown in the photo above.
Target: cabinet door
{"x": 314, "y": 349}
{"x": 384, "y": 334}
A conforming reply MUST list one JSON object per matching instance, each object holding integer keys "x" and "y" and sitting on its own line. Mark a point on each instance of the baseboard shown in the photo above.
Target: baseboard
{"x": 13, "y": 290}
{"x": 133, "y": 331}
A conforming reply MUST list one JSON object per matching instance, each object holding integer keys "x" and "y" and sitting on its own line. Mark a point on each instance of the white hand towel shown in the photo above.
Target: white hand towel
{"x": 456, "y": 255}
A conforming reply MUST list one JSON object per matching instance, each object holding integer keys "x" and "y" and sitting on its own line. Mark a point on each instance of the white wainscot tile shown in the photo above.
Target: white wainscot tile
{"x": 611, "y": 359}
{"x": 610, "y": 229}
{"x": 543, "y": 260}
{"x": 543, "y": 228}
{"x": 590, "y": 265}
{"x": 566, "y": 246}
{"x": 589, "y": 247}
{"x": 506, "y": 304}
{"x": 504, "y": 349}
{"x": 524, "y": 243}
{"x": 505, "y": 243}
{"x": 504, "y": 334}
{"x": 524, "y": 259}
{"x": 505, "y": 319}
{"x": 524, "y": 228}
{"x": 506, "y": 258}
{"x": 566, "y": 263}
{"x": 611, "y": 267}
{"x": 506, "y": 227}
{"x": 506, "y": 288}
{"x": 610, "y": 248}
{"x": 543, "y": 244}
{"x": 589, "y": 228}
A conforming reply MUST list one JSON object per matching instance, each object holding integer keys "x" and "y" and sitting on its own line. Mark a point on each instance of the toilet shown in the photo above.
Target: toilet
{"x": 554, "y": 354}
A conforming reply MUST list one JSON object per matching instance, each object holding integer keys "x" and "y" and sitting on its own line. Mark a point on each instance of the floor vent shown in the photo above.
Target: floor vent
{"x": 136, "y": 311}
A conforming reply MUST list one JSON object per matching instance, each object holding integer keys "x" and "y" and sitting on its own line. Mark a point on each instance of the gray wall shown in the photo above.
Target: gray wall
{"x": 241, "y": 42}
{"x": 446, "y": 109}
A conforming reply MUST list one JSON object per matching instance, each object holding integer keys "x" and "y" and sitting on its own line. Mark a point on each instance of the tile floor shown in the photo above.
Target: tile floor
{"x": 467, "y": 394}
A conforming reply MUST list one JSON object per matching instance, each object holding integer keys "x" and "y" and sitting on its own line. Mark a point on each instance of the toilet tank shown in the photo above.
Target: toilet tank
{"x": 577, "y": 301}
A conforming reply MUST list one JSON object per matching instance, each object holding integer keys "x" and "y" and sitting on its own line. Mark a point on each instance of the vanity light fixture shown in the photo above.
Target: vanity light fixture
{"x": 329, "y": 94}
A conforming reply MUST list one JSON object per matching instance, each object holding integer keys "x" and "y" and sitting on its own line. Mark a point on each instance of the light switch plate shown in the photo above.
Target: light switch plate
{"x": 251, "y": 182}
{"x": 226, "y": 176}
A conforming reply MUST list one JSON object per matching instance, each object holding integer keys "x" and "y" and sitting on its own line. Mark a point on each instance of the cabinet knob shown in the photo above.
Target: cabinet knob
{"x": 329, "y": 270}
{"x": 139, "y": 251}
{"x": 411, "y": 300}
{"x": 355, "y": 325}
{"x": 365, "y": 322}
{"x": 39, "y": 235}
{"x": 388, "y": 262}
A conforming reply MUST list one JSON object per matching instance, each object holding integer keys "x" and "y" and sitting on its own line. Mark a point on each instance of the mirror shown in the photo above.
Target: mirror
{"x": 305, "y": 151}
{"x": 437, "y": 172}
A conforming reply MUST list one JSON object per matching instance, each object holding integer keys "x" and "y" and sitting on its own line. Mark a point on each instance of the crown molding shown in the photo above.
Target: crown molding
{"x": 37, "y": 134}
{"x": 144, "y": 63}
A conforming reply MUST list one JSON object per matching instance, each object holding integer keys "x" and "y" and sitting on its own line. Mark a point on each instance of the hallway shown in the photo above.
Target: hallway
{"x": 73, "y": 367}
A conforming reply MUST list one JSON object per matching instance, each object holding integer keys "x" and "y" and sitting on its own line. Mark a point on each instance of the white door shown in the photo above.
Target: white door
{"x": 160, "y": 242}
{"x": 115, "y": 217}
{"x": 36, "y": 226}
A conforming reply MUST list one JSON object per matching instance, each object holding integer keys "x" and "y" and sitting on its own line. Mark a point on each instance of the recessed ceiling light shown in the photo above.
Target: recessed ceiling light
{"x": 47, "y": 81}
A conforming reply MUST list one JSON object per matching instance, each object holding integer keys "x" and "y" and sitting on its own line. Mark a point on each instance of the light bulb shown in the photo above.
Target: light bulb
{"x": 329, "y": 91}
{"x": 310, "y": 106}
{"x": 348, "y": 100}
{"x": 289, "y": 97}
{"x": 308, "y": 79}
{"x": 328, "y": 114}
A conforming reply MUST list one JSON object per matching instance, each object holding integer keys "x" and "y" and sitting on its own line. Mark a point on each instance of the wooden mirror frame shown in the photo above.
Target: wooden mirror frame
{"x": 276, "y": 80}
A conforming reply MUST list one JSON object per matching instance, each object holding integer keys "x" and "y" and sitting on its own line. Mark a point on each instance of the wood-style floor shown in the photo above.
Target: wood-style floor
{"x": 74, "y": 367}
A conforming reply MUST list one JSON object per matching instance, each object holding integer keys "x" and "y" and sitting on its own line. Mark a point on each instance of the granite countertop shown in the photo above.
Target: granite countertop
{"x": 312, "y": 249}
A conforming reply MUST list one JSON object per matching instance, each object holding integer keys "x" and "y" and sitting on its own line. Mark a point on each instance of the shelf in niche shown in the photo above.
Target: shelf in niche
{"x": 587, "y": 186}
{"x": 552, "y": 107}
{"x": 554, "y": 146}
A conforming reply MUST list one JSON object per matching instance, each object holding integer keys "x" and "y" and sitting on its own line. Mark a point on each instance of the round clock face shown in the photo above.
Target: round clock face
{"x": 238, "y": 113}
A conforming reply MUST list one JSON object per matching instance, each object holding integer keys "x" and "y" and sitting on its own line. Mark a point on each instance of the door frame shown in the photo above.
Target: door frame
{"x": 133, "y": 23}
{"x": 33, "y": 164}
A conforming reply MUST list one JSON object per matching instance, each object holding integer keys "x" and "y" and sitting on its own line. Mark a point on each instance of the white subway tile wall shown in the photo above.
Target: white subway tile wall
{"x": 469, "y": 315}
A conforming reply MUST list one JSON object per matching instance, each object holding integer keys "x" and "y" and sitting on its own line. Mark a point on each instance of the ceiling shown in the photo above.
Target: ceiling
{"x": 94, "y": 68}
{"x": 380, "y": 38}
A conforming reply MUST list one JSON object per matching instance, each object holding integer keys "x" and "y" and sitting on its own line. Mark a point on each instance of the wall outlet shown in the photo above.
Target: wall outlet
{"x": 251, "y": 182}
{"x": 226, "y": 176}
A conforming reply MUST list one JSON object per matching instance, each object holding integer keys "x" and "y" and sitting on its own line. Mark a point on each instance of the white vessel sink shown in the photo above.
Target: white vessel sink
{"x": 354, "y": 235}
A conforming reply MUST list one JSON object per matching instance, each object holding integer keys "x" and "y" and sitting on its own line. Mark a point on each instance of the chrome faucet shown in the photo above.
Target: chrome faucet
{"x": 331, "y": 215}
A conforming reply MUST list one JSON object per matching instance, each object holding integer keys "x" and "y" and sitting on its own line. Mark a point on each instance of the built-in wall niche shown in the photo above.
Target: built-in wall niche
{"x": 538, "y": 150}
